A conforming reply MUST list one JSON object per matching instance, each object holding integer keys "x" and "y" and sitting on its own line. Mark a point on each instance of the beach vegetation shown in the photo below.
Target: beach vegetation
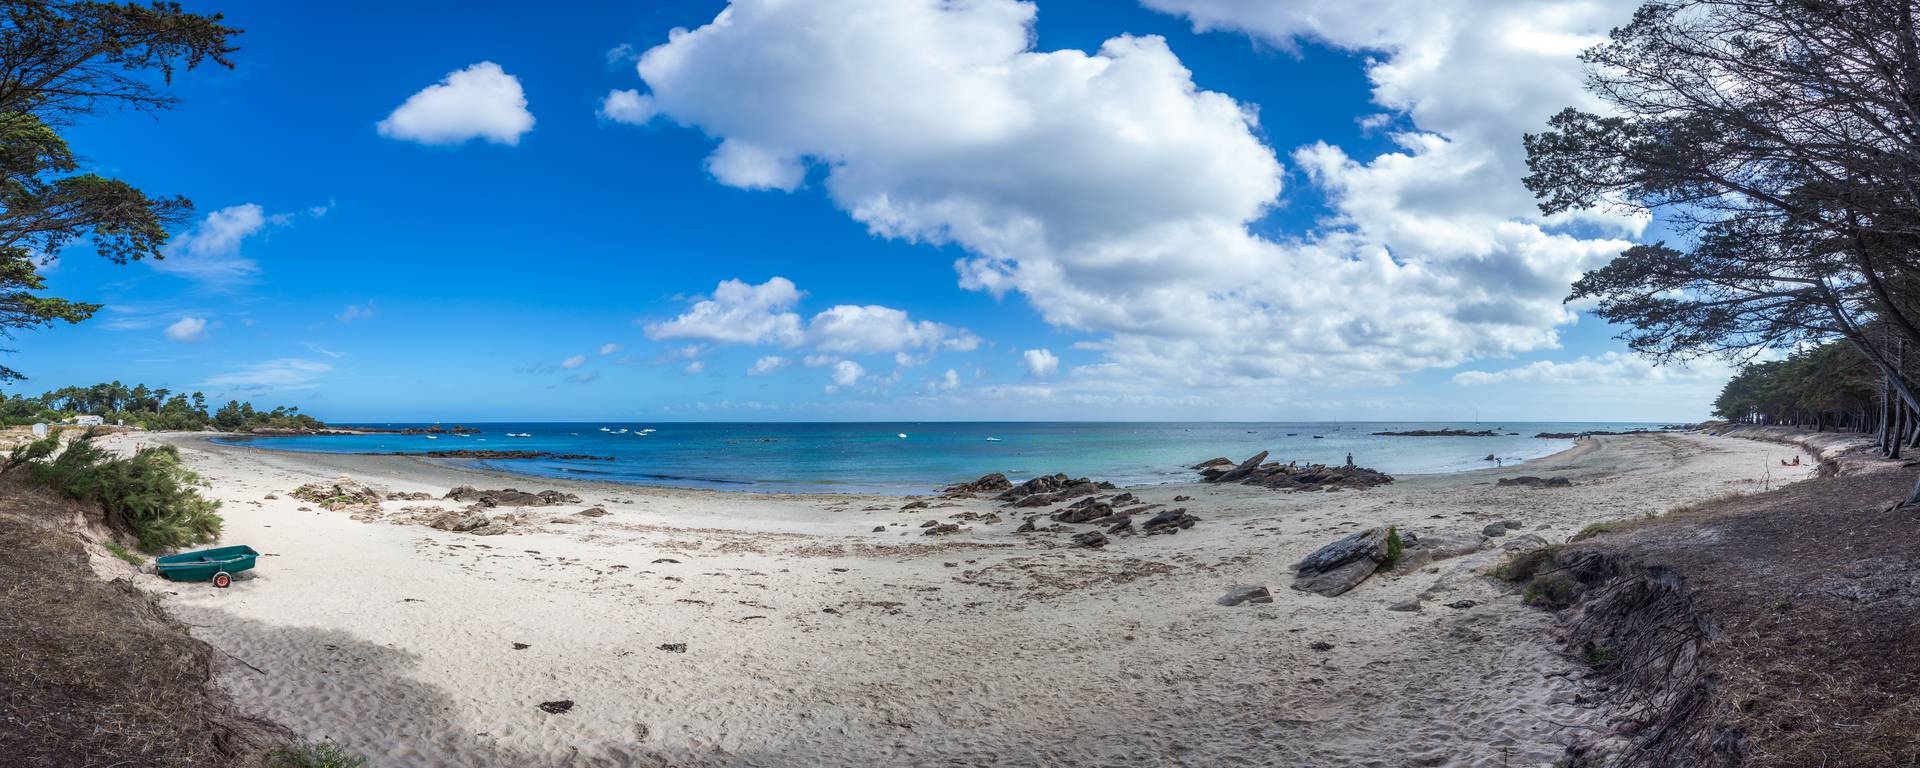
{"x": 1599, "y": 654}
{"x": 1395, "y": 548}
{"x": 1523, "y": 566}
{"x": 149, "y": 494}
{"x": 1553, "y": 590}
{"x": 66, "y": 60}
{"x": 114, "y": 548}
{"x": 313, "y": 754}
{"x": 154, "y": 408}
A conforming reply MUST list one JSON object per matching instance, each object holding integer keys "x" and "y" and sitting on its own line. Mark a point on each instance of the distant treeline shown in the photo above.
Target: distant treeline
{"x": 1829, "y": 387}
{"x": 151, "y": 408}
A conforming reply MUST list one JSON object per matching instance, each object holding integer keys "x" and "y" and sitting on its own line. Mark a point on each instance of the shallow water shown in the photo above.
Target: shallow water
{"x": 872, "y": 457}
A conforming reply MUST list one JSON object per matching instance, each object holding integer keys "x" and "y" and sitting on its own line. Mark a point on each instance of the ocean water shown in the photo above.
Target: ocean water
{"x": 873, "y": 457}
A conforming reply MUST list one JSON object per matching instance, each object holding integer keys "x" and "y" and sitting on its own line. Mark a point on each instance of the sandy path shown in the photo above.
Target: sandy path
{"x": 813, "y": 641}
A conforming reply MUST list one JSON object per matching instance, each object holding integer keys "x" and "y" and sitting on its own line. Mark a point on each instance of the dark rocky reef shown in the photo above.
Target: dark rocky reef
{"x": 1290, "y": 476}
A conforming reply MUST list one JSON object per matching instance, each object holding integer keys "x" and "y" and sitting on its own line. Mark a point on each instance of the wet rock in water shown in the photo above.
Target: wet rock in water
{"x": 557, "y": 707}
{"x": 1238, "y": 595}
{"x": 594, "y": 512}
{"x": 1292, "y": 477}
{"x": 1094, "y": 539}
{"x": 509, "y": 497}
{"x": 1170, "y": 521}
{"x": 942, "y": 530}
{"x": 1529, "y": 481}
{"x": 1340, "y": 566}
{"x": 1495, "y": 529}
{"x": 989, "y": 483}
{"x": 1490, "y": 457}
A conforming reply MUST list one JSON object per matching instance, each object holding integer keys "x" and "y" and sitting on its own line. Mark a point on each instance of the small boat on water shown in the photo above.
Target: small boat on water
{"x": 993, "y": 439}
{"x": 604, "y": 429}
{"x": 522, "y": 434}
{"x": 903, "y": 435}
{"x": 433, "y": 437}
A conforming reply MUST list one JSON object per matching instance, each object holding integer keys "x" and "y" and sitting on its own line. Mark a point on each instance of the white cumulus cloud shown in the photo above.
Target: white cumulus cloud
{"x": 210, "y": 251}
{"x": 767, "y": 364}
{"x": 1118, "y": 196}
{"x": 627, "y": 106}
{"x": 574, "y": 362}
{"x": 1041, "y": 362}
{"x": 479, "y": 102}
{"x": 846, "y": 373}
{"x": 188, "y": 329}
{"x": 743, "y": 313}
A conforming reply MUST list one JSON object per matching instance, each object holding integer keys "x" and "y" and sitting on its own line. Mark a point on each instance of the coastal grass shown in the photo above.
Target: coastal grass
{"x": 1395, "y": 547}
{"x": 149, "y": 494}
{"x": 313, "y": 754}
{"x": 114, "y": 548}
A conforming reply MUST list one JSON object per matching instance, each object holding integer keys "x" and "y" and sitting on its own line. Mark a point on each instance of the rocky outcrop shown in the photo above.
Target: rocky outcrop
{"x": 1292, "y": 477}
{"x": 1169, "y": 521}
{"x": 341, "y": 494}
{"x": 509, "y": 497}
{"x": 1083, "y": 511}
{"x": 989, "y": 483}
{"x": 1335, "y": 568}
{"x": 1047, "y": 490}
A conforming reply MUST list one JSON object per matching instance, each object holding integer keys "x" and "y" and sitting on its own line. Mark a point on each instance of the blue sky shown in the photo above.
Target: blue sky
{"x": 1233, "y": 212}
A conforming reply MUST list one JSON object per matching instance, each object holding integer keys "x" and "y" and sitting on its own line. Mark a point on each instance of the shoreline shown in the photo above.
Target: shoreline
{"x": 810, "y": 638}
{"x": 214, "y": 441}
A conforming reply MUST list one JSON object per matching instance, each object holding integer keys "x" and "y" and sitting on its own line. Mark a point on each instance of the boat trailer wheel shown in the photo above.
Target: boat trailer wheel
{"x": 223, "y": 579}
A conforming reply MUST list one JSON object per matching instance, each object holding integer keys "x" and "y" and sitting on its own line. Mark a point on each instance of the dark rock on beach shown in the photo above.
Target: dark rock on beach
{"x": 1170, "y": 521}
{"x": 556, "y": 707}
{"x": 1047, "y": 490}
{"x": 990, "y": 483}
{"x": 1238, "y": 595}
{"x": 1335, "y": 568}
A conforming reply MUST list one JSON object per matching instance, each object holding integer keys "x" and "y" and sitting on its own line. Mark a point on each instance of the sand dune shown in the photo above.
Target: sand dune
{"x": 810, "y": 640}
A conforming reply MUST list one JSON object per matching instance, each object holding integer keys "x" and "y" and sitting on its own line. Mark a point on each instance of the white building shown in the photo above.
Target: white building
{"x": 88, "y": 421}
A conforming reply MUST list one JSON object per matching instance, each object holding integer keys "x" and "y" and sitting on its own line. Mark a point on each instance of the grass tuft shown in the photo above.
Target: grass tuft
{"x": 149, "y": 493}
{"x": 121, "y": 552}
{"x": 313, "y": 754}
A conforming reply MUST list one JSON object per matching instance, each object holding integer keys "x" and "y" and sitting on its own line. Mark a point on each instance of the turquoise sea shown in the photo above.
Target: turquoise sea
{"x": 917, "y": 457}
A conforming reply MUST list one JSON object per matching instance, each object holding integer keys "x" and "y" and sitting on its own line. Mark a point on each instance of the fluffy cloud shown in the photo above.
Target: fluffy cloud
{"x": 1041, "y": 362}
{"x": 574, "y": 362}
{"x": 479, "y": 102}
{"x": 743, "y": 313}
{"x": 1608, "y": 369}
{"x": 284, "y": 373}
{"x": 846, "y": 373}
{"x": 850, "y": 329}
{"x": 1117, "y": 196}
{"x": 738, "y": 313}
{"x": 608, "y": 349}
{"x": 627, "y": 106}
{"x": 767, "y": 364}
{"x": 210, "y": 251}
{"x": 695, "y": 367}
{"x": 188, "y": 329}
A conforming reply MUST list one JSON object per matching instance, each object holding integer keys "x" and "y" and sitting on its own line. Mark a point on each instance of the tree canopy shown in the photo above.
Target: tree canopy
{"x": 150, "y": 408}
{"x": 62, "y": 61}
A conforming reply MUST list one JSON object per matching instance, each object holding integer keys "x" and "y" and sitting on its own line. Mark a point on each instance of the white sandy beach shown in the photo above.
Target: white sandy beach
{"x": 811, "y": 640}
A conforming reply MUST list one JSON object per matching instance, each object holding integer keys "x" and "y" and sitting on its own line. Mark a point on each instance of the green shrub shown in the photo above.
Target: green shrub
{"x": 1394, "y": 549}
{"x": 313, "y": 754}
{"x": 1523, "y": 566}
{"x": 1553, "y": 591}
{"x": 1599, "y": 655}
{"x": 148, "y": 493}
